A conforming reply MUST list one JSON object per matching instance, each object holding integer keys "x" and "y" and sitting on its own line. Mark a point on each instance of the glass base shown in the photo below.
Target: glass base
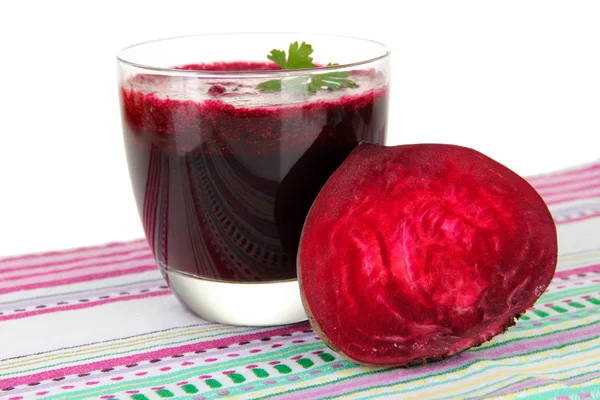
{"x": 244, "y": 304}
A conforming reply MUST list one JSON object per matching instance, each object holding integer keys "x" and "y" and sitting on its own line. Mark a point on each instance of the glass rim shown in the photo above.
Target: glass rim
{"x": 386, "y": 52}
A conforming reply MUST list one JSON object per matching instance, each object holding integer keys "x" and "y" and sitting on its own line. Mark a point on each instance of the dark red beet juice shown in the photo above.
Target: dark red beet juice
{"x": 224, "y": 174}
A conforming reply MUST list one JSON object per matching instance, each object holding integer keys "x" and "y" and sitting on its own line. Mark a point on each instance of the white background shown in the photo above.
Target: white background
{"x": 517, "y": 80}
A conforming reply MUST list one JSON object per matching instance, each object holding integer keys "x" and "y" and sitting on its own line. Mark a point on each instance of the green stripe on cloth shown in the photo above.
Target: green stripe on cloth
{"x": 165, "y": 378}
{"x": 550, "y": 297}
{"x": 475, "y": 366}
{"x": 421, "y": 382}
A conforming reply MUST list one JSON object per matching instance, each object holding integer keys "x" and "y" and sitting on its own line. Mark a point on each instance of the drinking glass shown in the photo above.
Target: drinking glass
{"x": 227, "y": 151}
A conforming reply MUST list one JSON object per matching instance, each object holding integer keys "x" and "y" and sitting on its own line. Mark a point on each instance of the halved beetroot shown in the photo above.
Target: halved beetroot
{"x": 418, "y": 252}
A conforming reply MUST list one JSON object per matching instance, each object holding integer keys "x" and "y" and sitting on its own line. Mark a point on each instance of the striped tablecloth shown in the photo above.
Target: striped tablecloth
{"x": 99, "y": 322}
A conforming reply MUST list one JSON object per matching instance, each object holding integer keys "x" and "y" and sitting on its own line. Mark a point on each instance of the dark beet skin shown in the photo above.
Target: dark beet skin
{"x": 418, "y": 252}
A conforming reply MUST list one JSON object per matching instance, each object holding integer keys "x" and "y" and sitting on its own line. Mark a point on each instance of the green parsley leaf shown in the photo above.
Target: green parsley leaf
{"x": 299, "y": 58}
{"x": 331, "y": 80}
{"x": 270, "y": 86}
{"x": 278, "y": 57}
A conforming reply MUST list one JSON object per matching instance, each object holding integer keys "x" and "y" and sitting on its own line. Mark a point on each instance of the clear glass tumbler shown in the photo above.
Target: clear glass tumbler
{"x": 227, "y": 151}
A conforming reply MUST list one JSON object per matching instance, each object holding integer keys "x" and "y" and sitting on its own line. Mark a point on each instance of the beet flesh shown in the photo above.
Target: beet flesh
{"x": 414, "y": 253}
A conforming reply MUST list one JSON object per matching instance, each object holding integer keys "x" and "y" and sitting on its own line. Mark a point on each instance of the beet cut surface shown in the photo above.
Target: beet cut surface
{"x": 415, "y": 253}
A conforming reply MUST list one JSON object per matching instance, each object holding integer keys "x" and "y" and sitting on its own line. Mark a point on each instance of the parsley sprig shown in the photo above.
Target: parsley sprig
{"x": 299, "y": 58}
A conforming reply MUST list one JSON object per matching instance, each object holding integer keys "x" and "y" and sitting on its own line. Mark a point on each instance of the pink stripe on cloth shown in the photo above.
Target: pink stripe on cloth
{"x": 35, "y": 278}
{"x": 575, "y": 271}
{"x": 58, "y": 256}
{"x": 113, "y": 263}
{"x": 136, "y": 358}
{"x": 567, "y": 197}
{"x": 572, "y": 188}
{"x": 564, "y": 175}
{"x": 569, "y": 181}
{"x": 83, "y": 305}
{"x": 83, "y": 278}
{"x": 145, "y": 250}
